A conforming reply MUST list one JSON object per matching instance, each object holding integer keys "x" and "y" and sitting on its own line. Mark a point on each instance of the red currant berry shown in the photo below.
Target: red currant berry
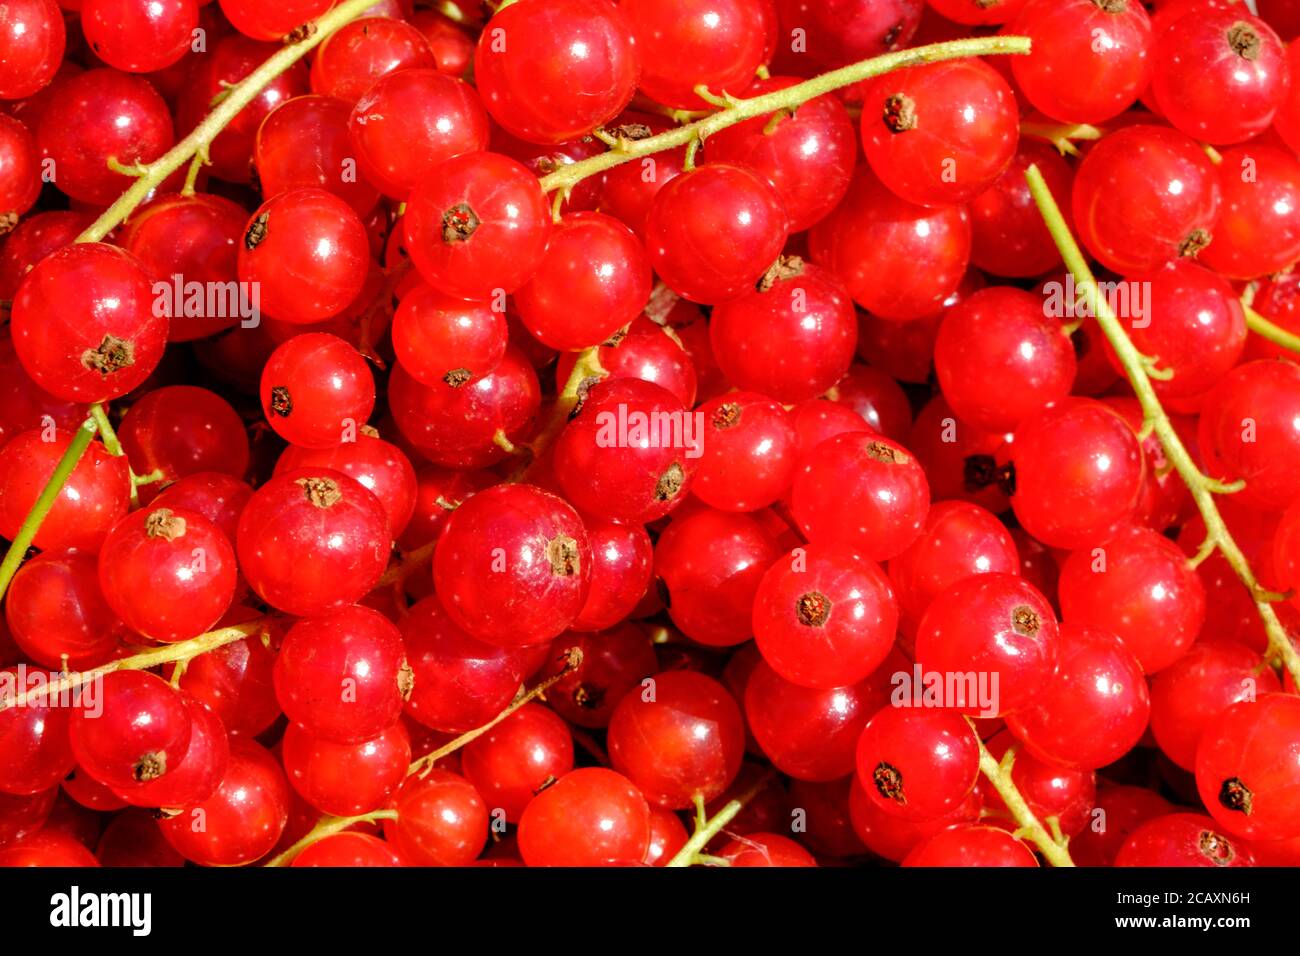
{"x": 811, "y": 734}
{"x": 460, "y": 682}
{"x": 1008, "y": 237}
{"x": 994, "y": 626}
{"x": 749, "y": 452}
{"x": 243, "y": 820}
{"x": 960, "y": 540}
{"x": 1078, "y": 473}
{"x": 32, "y": 40}
{"x": 1126, "y": 809}
{"x": 271, "y": 22}
{"x": 765, "y": 849}
{"x": 139, "y": 36}
{"x": 940, "y": 134}
{"x": 313, "y": 540}
{"x": 306, "y": 252}
{"x": 84, "y": 323}
{"x": 863, "y": 491}
{"x": 380, "y": 467}
{"x": 711, "y": 563}
{"x": 519, "y": 758}
{"x": 237, "y": 682}
{"x": 198, "y": 774}
{"x": 1139, "y": 587}
{"x": 1258, "y": 232}
{"x": 630, "y": 453}
{"x": 409, "y": 121}
{"x": 1182, "y": 839}
{"x": 714, "y": 231}
{"x": 96, "y": 116}
{"x": 346, "y": 779}
{"x": 589, "y": 817}
{"x": 34, "y": 750}
{"x": 348, "y": 850}
{"x": 1219, "y": 75}
{"x": 343, "y": 675}
{"x": 1145, "y": 195}
{"x": 476, "y": 224}
{"x": 809, "y": 331}
{"x": 917, "y": 763}
{"x": 594, "y": 279}
{"x": 359, "y": 53}
{"x": 1095, "y": 707}
{"x": 57, "y": 614}
{"x": 648, "y": 351}
{"x": 170, "y": 575}
{"x": 1000, "y": 358}
{"x": 824, "y": 617}
{"x": 807, "y": 155}
{"x": 679, "y": 739}
{"x": 622, "y": 559}
{"x": 92, "y": 500}
{"x": 443, "y": 340}
{"x": 20, "y": 180}
{"x": 304, "y": 143}
{"x": 898, "y": 260}
{"x": 1189, "y": 696}
{"x": 1251, "y": 429}
{"x": 553, "y": 72}
{"x": 455, "y": 425}
{"x": 135, "y": 730}
{"x": 683, "y": 44}
{"x": 1248, "y": 767}
{"x": 47, "y": 847}
{"x": 971, "y": 845}
{"x": 1091, "y": 59}
{"x": 182, "y": 430}
{"x": 317, "y": 390}
{"x": 513, "y": 565}
{"x": 441, "y": 820}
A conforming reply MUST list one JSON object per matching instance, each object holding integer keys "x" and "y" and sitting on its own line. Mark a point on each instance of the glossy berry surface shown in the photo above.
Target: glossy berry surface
{"x": 336, "y": 529}
{"x": 168, "y": 574}
{"x": 572, "y": 66}
{"x": 343, "y": 676}
{"x": 513, "y": 565}
{"x": 84, "y": 323}
{"x": 317, "y": 390}
{"x": 1247, "y": 765}
{"x": 917, "y": 763}
{"x": 997, "y": 624}
{"x": 589, "y": 817}
{"x": 940, "y": 134}
{"x": 712, "y": 232}
{"x": 824, "y": 617}
{"x": 141, "y": 731}
{"x": 680, "y": 739}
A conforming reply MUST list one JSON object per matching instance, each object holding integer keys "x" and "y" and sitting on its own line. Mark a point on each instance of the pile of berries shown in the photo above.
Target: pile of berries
{"x": 484, "y": 426}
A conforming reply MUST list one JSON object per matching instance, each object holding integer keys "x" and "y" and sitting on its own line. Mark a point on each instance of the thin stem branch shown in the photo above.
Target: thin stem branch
{"x": 1268, "y": 330}
{"x": 706, "y": 830}
{"x": 44, "y": 502}
{"x": 566, "y": 177}
{"x": 425, "y": 763}
{"x": 410, "y": 562}
{"x": 587, "y": 370}
{"x": 1135, "y": 364}
{"x": 999, "y": 775}
{"x": 149, "y": 176}
{"x": 326, "y": 827}
{"x": 169, "y": 653}
{"x": 114, "y": 447}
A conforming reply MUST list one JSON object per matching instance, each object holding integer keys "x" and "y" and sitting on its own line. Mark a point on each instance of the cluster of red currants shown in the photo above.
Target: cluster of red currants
{"x": 775, "y": 449}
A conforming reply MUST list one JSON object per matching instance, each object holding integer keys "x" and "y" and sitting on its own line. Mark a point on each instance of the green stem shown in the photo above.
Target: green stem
{"x": 1202, "y": 487}
{"x": 999, "y": 775}
{"x": 1268, "y": 330}
{"x": 792, "y": 96}
{"x": 425, "y": 763}
{"x": 45, "y": 501}
{"x": 240, "y": 95}
{"x": 706, "y": 830}
{"x": 167, "y": 654}
{"x": 326, "y": 827}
